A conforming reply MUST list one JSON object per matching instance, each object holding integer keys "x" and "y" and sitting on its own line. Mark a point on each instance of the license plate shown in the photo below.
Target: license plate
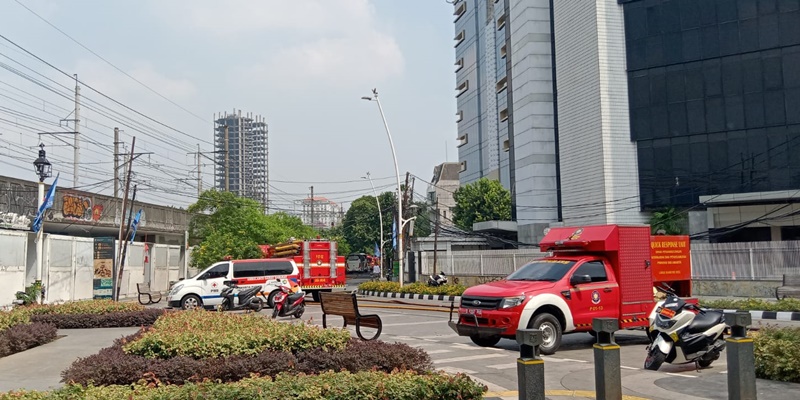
{"x": 475, "y": 311}
{"x": 666, "y": 312}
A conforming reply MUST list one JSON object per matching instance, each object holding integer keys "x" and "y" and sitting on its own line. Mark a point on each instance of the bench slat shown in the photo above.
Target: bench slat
{"x": 346, "y": 306}
{"x": 791, "y": 280}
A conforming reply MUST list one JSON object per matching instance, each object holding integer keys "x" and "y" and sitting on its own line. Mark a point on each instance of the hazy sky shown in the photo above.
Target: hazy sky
{"x": 302, "y": 64}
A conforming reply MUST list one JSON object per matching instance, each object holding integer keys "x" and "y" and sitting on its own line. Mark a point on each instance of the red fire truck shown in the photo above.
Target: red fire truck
{"x": 321, "y": 269}
{"x": 603, "y": 271}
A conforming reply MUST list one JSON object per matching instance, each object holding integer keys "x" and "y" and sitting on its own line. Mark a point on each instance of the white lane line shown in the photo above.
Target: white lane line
{"x": 503, "y": 366}
{"x": 467, "y": 358}
{"x": 454, "y": 370}
{"x": 415, "y": 323}
{"x": 462, "y": 346}
{"x": 558, "y": 360}
{"x": 437, "y": 351}
{"x": 624, "y": 367}
{"x": 681, "y": 375}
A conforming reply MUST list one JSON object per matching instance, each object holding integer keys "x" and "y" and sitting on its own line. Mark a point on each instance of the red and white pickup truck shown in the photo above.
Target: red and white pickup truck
{"x": 602, "y": 271}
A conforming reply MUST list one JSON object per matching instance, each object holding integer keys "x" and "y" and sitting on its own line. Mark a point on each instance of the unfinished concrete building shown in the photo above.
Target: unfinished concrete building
{"x": 241, "y": 142}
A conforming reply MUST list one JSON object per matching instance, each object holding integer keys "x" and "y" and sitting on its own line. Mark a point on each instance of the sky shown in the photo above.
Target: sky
{"x": 302, "y": 64}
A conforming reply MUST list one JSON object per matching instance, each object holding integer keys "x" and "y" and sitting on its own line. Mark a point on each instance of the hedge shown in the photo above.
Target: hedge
{"x": 202, "y": 334}
{"x": 416, "y": 288}
{"x": 22, "y": 337}
{"x": 111, "y": 320}
{"x": 777, "y": 353}
{"x": 753, "y": 304}
{"x": 112, "y": 366}
{"x": 366, "y": 385}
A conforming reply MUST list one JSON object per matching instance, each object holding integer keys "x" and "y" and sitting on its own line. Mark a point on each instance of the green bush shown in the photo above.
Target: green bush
{"x": 777, "y": 354}
{"x": 417, "y": 288}
{"x": 369, "y": 385}
{"x": 17, "y": 316}
{"x": 85, "y": 307}
{"x": 202, "y": 334}
{"x": 752, "y": 304}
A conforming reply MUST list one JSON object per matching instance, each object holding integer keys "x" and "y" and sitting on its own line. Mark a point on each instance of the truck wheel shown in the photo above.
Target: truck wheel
{"x": 654, "y": 359}
{"x": 191, "y": 302}
{"x": 551, "y": 332}
{"x": 486, "y": 341}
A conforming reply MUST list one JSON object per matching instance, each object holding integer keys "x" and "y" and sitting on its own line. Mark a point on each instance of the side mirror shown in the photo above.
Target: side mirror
{"x": 578, "y": 279}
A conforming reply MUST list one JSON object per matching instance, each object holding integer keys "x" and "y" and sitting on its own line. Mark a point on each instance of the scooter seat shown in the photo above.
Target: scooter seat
{"x": 249, "y": 291}
{"x": 293, "y": 297}
{"x": 705, "y": 321}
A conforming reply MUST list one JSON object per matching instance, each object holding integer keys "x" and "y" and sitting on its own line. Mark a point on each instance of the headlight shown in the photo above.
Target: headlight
{"x": 176, "y": 289}
{"x": 509, "y": 302}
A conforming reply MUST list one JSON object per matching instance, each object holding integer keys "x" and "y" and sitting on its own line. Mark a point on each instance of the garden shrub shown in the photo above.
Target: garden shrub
{"x": 777, "y": 353}
{"x": 201, "y": 334}
{"x": 85, "y": 307}
{"x": 112, "y": 366}
{"x": 22, "y": 337}
{"x": 14, "y": 317}
{"x": 367, "y": 385}
{"x": 416, "y": 287}
{"x": 109, "y": 320}
{"x": 392, "y": 287}
{"x": 752, "y": 304}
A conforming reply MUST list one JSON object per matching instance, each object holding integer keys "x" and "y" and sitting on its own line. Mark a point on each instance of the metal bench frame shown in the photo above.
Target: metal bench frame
{"x": 144, "y": 290}
{"x": 345, "y": 305}
{"x": 790, "y": 287}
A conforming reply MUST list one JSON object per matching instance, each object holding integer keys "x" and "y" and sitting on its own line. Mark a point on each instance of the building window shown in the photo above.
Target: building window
{"x": 463, "y": 139}
{"x": 501, "y": 22}
{"x": 502, "y": 84}
{"x": 460, "y": 116}
{"x": 459, "y": 64}
{"x": 506, "y": 145}
{"x": 503, "y": 114}
{"x": 463, "y": 166}
{"x": 460, "y": 10}
{"x": 459, "y": 38}
{"x": 503, "y": 51}
{"x": 463, "y": 87}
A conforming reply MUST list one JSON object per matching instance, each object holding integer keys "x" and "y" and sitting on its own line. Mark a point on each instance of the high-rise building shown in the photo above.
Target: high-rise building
{"x": 242, "y": 155}
{"x": 440, "y": 193}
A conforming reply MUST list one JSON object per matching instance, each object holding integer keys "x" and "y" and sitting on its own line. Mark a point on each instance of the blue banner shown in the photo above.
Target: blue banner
{"x": 135, "y": 224}
{"x": 377, "y": 251}
{"x": 394, "y": 234}
{"x": 47, "y": 203}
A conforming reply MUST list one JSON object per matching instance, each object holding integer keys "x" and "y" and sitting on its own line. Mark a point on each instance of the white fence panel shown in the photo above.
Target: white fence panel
{"x": 84, "y": 269}
{"x": 13, "y": 258}
{"x": 750, "y": 261}
{"x": 174, "y": 263}
{"x": 59, "y": 271}
{"x": 160, "y": 259}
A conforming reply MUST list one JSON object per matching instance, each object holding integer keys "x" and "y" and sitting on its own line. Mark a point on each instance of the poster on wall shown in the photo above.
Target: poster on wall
{"x": 103, "y": 267}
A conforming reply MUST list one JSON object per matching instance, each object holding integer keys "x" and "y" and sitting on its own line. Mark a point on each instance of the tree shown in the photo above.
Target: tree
{"x": 361, "y": 226}
{"x": 336, "y": 234}
{"x": 482, "y": 200}
{"x": 668, "y": 220}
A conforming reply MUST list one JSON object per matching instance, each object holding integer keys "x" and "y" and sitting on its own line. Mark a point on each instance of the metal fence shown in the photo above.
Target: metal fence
{"x": 718, "y": 261}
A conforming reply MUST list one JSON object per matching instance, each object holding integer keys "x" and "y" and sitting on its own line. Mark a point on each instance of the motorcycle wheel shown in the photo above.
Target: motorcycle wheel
{"x": 299, "y": 313}
{"x": 275, "y": 311}
{"x": 654, "y": 359}
{"x": 257, "y": 305}
{"x": 223, "y": 306}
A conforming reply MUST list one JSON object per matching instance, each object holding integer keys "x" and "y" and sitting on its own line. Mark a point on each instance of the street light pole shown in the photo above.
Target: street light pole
{"x": 44, "y": 171}
{"x": 400, "y": 255}
{"x": 380, "y": 219}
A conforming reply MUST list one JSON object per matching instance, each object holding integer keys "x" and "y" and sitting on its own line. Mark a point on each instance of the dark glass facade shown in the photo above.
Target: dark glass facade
{"x": 714, "y": 93}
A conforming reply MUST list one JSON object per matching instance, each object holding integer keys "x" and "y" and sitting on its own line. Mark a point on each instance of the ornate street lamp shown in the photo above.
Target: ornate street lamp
{"x": 43, "y": 168}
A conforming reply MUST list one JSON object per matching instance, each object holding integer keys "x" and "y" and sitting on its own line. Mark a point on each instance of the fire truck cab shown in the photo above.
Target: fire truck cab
{"x": 603, "y": 271}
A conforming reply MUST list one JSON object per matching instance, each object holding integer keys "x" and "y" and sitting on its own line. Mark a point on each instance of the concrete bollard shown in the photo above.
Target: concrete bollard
{"x": 741, "y": 361}
{"x": 530, "y": 367}
{"x": 607, "y": 377}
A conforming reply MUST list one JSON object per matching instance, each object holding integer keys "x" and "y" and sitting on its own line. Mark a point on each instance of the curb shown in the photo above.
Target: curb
{"x": 411, "y": 296}
{"x": 773, "y": 315}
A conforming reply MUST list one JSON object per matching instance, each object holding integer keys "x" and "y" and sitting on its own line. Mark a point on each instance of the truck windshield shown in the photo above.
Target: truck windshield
{"x": 542, "y": 270}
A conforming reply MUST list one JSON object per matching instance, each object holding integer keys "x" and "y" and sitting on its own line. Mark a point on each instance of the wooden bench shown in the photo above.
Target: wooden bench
{"x": 144, "y": 290}
{"x": 790, "y": 287}
{"x": 346, "y": 306}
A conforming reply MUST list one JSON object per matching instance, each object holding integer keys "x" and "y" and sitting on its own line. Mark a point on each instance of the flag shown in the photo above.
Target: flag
{"x": 47, "y": 203}
{"x": 394, "y": 234}
{"x": 135, "y": 224}
{"x": 377, "y": 251}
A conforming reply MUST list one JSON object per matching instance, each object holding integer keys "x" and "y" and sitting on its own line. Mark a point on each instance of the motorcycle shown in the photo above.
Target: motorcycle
{"x": 288, "y": 303}
{"x": 682, "y": 332}
{"x": 246, "y": 296}
{"x": 437, "y": 280}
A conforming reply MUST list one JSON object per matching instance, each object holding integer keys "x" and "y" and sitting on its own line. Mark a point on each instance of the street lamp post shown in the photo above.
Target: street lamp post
{"x": 44, "y": 170}
{"x": 400, "y": 256}
{"x": 380, "y": 218}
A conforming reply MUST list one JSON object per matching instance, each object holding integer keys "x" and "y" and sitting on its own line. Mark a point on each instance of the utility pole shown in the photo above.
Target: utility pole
{"x": 312, "y": 206}
{"x": 125, "y": 240}
{"x": 436, "y": 235}
{"x": 227, "y": 162}
{"x": 77, "y": 123}
{"x": 116, "y": 164}
{"x": 118, "y": 276}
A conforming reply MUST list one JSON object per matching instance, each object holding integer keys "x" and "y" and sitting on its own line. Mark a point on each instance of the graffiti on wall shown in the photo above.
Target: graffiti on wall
{"x": 77, "y": 207}
{"x": 18, "y": 199}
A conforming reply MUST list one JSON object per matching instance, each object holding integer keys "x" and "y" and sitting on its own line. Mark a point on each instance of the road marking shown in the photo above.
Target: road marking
{"x": 624, "y": 367}
{"x": 503, "y": 366}
{"x": 415, "y": 323}
{"x": 462, "y": 346}
{"x": 438, "y": 351}
{"x": 554, "y": 359}
{"x": 454, "y": 370}
{"x": 467, "y": 358}
{"x": 681, "y": 375}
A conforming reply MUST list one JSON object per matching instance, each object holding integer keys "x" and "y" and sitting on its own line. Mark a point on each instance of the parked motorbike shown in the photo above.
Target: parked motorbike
{"x": 288, "y": 303}
{"x": 437, "y": 280}
{"x": 234, "y": 297}
{"x": 682, "y": 332}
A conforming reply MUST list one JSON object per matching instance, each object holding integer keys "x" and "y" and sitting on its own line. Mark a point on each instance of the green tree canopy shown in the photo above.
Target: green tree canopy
{"x": 669, "y": 220}
{"x": 482, "y": 200}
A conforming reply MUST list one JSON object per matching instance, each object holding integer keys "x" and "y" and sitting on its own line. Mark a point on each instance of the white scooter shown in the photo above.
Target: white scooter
{"x": 682, "y": 333}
